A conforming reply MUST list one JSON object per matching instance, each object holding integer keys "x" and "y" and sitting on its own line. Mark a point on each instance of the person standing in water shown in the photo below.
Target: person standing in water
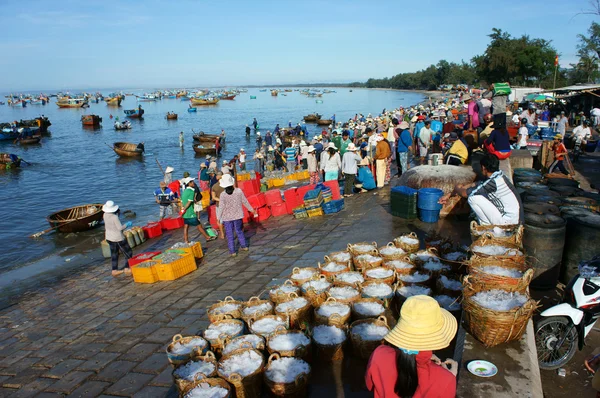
{"x": 181, "y": 139}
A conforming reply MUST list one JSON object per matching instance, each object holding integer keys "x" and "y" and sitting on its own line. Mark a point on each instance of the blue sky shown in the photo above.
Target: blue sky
{"x": 65, "y": 44}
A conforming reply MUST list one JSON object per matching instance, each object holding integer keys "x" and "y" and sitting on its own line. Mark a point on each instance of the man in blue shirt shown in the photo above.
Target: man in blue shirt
{"x": 403, "y": 145}
{"x": 164, "y": 198}
{"x": 365, "y": 179}
{"x": 290, "y": 157}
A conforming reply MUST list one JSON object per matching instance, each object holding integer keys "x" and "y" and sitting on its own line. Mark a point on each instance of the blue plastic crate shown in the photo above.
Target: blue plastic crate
{"x": 314, "y": 194}
{"x": 404, "y": 190}
{"x": 333, "y": 206}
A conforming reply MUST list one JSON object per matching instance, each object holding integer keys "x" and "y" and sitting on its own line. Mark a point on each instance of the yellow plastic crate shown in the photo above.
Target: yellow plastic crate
{"x": 145, "y": 274}
{"x": 269, "y": 184}
{"x": 176, "y": 269}
{"x": 315, "y": 212}
{"x": 197, "y": 250}
{"x": 304, "y": 175}
{"x": 278, "y": 182}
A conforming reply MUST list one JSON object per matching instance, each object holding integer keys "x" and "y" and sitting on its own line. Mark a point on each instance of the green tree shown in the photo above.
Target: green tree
{"x": 589, "y": 55}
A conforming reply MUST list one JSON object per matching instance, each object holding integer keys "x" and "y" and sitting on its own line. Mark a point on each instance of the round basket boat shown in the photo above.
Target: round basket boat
{"x": 513, "y": 233}
{"x": 302, "y": 275}
{"x": 299, "y": 317}
{"x": 228, "y": 306}
{"x": 177, "y": 359}
{"x": 206, "y": 384}
{"x": 300, "y": 351}
{"x": 296, "y": 388}
{"x": 391, "y": 252}
{"x": 363, "y": 348}
{"x": 256, "y": 308}
{"x": 363, "y": 248}
{"x": 314, "y": 293}
{"x": 331, "y": 269}
{"x": 329, "y": 352}
{"x": 367, "y": 308}
{"x": 408, "y": 242}
{"x": 245, "y": 386}
{"x": 341, "y": 257}
{"x": 183, "y": 384}
{"x": 339, "y": 318}
{"x": 279, "y": 294}
{"x": 380, "y": 274}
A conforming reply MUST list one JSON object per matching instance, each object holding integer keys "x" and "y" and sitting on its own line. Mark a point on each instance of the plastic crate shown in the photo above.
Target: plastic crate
{"x": 279, "y": 209}
{"x": 175, "y": 269}
{"x": 195, "y": 250}
{"x": 314, "y": 194}
{"x": 152, "y": 230}
{"x": 278, "y": 182}
{"x": 257, "y": 201}
{"x": 170, "y": 223}
{"x": 315, "y": 212}
{"x": 141, "y": 257}
{"x": 333, "y": 207}
{"x": 143, "y": 274}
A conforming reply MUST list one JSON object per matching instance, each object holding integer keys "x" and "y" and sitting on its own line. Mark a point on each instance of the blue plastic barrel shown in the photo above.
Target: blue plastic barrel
{"x": 429, "y": 215}
{"x": 428, "y": 199}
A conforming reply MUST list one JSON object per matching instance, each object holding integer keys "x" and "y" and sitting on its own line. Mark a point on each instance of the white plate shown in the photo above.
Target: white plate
{"x": 482, "y": 368}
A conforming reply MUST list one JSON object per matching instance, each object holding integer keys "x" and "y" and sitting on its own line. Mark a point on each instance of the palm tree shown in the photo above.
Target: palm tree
{"x": 588, "y": 65}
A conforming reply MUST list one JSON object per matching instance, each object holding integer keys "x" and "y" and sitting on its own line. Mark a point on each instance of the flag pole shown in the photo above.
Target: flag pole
{"x": 555, "y": 71}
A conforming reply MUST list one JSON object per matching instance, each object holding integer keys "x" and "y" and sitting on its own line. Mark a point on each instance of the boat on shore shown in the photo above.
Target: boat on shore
{"x": 9, "y": 161}
{"x": 313, "y": 117}
{"x": 324, "y": 122}
{"x": 128, "y": 149}
{"x": 171, "y": 116}
{"x": 134, "y": 113}
{"x": 204, "y": 149}
{"x": 91, "y": 120}
{"x": 204, "y": 101}
{"x": 76, "y": 219}
{"x": 72, "y": 103}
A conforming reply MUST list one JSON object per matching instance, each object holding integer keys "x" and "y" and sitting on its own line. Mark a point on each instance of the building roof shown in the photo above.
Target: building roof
{"x": 578, "y": 87}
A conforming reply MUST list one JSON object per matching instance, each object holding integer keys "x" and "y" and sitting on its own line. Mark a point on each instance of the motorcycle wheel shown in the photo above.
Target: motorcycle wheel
{"x": 548, "y": 332}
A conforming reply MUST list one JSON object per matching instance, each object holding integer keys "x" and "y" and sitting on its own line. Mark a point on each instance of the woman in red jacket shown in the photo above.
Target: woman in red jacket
{"x": 406, "y": 366}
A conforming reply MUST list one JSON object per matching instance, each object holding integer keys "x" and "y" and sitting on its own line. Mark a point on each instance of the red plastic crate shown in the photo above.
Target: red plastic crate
{"x": 291, "y": 200}
{"x": 264, "y": 213}
{"x": 138, "y": 258}
{"x": 256, "y": 184}
{"x": 300, "y": 192}
{"x": 248, "y": 188}
{"x": 152, "y": 230}
{"x": 257, "y": 201}
{"x": 279, "y": 210}
{"x": 170, "y": 223}
{"x": 212, "y": 216}
{"x": 335, "y": 189}
{"x": 247, "y": 215}
{"x": 273, "y": 197}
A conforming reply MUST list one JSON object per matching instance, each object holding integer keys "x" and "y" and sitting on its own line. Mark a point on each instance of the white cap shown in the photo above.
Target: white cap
{"x": 169, "y": 169}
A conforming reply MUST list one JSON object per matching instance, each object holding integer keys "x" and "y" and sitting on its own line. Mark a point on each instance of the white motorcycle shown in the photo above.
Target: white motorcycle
{"x": 563, "y": 328}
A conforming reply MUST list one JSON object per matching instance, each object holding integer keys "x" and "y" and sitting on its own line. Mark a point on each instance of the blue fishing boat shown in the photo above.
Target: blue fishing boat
{"x": 264, "y": 90}
{"x": 253, "y": 97}
{"x": 8, "y": 134}
{"x": 134, "y": 113}
{"x": 192, "y": 109}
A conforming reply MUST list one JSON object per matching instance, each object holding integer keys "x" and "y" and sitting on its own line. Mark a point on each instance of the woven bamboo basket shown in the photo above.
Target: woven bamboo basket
{"x": 440, "y": 289}
{"x": 260, "y": 346}
{"x": 179, "y": 359}
{"x": 345, "y": 300}
{"x": 429, "y": 282}
{"x": 431, "y": 252}
{"x": 400, "y": 298}
{"x": 315, "y": 297}
{"x": 298, "y": 318}
{"x": 408, "y": 247}
{"x": 339, "y": 282}
{"x": 334, "y": 319}
{"x": 278, "y": 296}
{"x": 334, "y": 257}
{"x": 301, "y": 351}
{"x": 515, "y": 230}
{"x": 492, "y": 327}
{"x": 400, "y": 271}
{"x": 253, "y": 302}
{"x": 477, "y": 281}
{"x": 296, "y": 389}
{"x": 356, "y": 251}
{"x": 437, "y": 242}
{"x": 364, "y": 348}
{"x": 330, "y": 352}
{"x": 439, "y": 268}
{"x": 209, "y": 382}
{"x": 215, "y": 315}
{"x": 332, "y": 274}
{"x": 183, "y": 384}
{"x": 356, "y": 316}
{"x": 396, "y": 252}
{"x": 248, "y": 386}
{"x": 386, "y": 299}
{"x": 300, "y": 282}
{"x": 507, "y": 260}
{"x": 285, "y": 324}
{"x": 217, "y": 345}
{"x": 388, "y": 280}
{"x": 458, "y": 265}
{"x": 360, "y": 263}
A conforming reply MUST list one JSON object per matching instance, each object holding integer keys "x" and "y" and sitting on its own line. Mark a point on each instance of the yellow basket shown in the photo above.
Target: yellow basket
{"x": 176, "y": 269}
{"x": 315, "y": 212}
{"x": 269, "y": 184}
{"x": 197, "y": 250}
{"x": 304, "y": 175}
{"x": 290, "y": 177}
{"x": 278, "y": 182}
{"x": 145, "y": 274}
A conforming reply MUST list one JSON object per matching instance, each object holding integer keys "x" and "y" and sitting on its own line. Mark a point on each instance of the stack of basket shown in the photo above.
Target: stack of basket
{"x": 496, "y": 302}
{"x": 313, "y": 201}
{"x": 404, "y": 202}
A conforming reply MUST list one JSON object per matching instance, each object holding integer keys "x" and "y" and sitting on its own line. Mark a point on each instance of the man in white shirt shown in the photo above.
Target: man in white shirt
{"x": 523, "y": 135}
{"x": 582, "y": 133}
{"x": 425, "y": 140}
{"x": 242, "y": 159}
{"x": 225, "y": 169}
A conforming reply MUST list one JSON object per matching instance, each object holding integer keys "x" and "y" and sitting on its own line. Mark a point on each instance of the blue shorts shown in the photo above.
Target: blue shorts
{"x": 191, "y": 221}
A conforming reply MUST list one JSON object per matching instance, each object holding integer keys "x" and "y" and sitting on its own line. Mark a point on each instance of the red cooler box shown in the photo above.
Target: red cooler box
{"x": 171, "y": 223}
{"x": 335, "y": 189}
{"x": 257, "y": 201}
{"x": 291, "y": 200}
{"x": 279, "y": 210}
{"x": 152, "y": 230}
{"x": 273, "y": 197}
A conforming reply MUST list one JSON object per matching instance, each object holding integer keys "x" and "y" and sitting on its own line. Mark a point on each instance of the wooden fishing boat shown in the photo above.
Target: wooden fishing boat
{"x": 324, "y": 122}
{"x": 201, "y": 101}
{"x": 30, "y": 140}
{"x": 72, "y": 102}
{"x": 77, "y": 219}
{"x": 274, "y": 93}
{"x": 113, "y": 101}
{"x": 147, "y": 98}
{"x": 9, "y": 161}
{"x": 204, "y": 149}
{"x": 128, "y": 150}
{"x": 91, "y": 120}
{"x": 171, "y": 116}
{"x": 228, "y": 97}
{"x": 7, "y": 134}
{"x": 134, "y": 113}
{"x": 313, "y": 117}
